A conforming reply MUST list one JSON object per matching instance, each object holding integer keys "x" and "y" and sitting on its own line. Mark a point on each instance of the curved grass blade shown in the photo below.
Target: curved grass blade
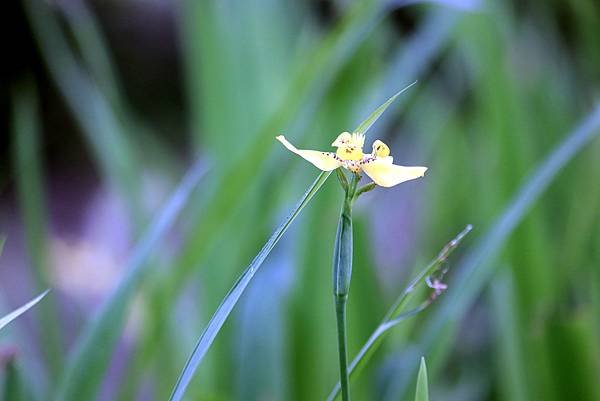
{"x": 307, "y": 89}
{"x": 93, "y": 112}
{"x": 218, "y": 319}
{"x": 475, "y": 269}
{"x": 14, "y": 384}
{"x": 19, "y": 311}
{"x": 422, "y": 393}
{"x": 469, "y": 283}
{"x": 395, "y": 314}
{"x": 92, "y": 351}
{"x": 29, "y": 174}
{"x": 223, "y": 311}
{"x": 365, "y": 125}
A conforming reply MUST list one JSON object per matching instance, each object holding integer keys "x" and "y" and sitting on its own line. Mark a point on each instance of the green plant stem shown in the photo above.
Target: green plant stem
{"x": 342, "y": 272}
{"x": 365, "y": 188}
{"x": 340, "y": 310}
{"x": 343, "y": 180}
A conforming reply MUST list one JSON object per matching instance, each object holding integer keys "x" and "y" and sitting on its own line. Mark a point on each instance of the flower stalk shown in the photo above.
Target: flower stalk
{"x": 342, "y": 273}
{"x": 380, "y": 168}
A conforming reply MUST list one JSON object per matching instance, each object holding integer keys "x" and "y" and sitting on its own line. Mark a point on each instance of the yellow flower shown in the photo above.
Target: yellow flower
{"x": 378, "y": 165}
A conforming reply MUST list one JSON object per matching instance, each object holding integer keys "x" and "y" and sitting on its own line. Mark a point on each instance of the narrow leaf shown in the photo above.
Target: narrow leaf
{"x": 365, "y": 125}
{"x": 222, "y": 313}
{"x": 475, "y": 270}
{"x": 29, "y": 179}
{"x": 12, "y": 384}
{"x": 395, "y": 314}
{"x": 422, "y": 393}
{"x": 19, "y": 311}
{"x": 93, "y": 349}
{"x": 89, "y": 106}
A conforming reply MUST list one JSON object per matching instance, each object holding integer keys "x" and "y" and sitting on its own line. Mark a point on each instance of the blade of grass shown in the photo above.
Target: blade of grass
{"x": 27, "y": 162}
{"x": 422, "y": 393}
{"x": 98, "y": 61}
{"x": 12, "y": 384}
{"x": 89, "y": 106}
{"x": 6, "y": 319}
{"x": 475, "y": 269}
{"x": 91, "y": 354}
{"x": 395, "y": 314}
{"x": 310, "y": 83}
{"x": 223, "y": 311}
{"x": 509, "y": 348}
{"x": 365, "y": 125}
{"x": 95, "y": 53}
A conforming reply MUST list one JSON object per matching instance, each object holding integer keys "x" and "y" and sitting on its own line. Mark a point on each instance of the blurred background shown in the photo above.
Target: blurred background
{"x": 105, "y": 105}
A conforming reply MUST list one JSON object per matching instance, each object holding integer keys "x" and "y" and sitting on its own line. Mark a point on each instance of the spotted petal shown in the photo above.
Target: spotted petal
{"x": 325, "y": 161}
{"x": 386, "y": 174}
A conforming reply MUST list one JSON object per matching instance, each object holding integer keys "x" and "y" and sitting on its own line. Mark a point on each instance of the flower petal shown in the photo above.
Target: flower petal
{"x": 386, "y": 174}
{"x": 380, "y": 149}
{"x": 343, "y": 139}
{"x": 325, "y": 161}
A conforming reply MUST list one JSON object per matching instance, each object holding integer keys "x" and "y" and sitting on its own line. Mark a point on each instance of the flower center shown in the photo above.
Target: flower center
{"x": 350, "y": 152}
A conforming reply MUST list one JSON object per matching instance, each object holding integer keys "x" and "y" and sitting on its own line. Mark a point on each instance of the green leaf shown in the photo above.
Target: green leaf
{"x": 396, "y": 313}
{"x": 342, "y": 249}
{"x": 422, "y": 393}
{"x": 227, "y": 304}
{"x": 234, "y": 294}
{"x": 91, "y": 109}
{"x": 92, "y": 351}
{"x": 12, "y": 384}
{"x": 365, "y": 125}
{"x": 475, "y": 270}
{"x": 309, "y": 84}
{"x": 29, "y": 178}
{"x": 19, "y": 311}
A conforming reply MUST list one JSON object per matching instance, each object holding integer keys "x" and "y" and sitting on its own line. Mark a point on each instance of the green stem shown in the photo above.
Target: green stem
{"x": 366, "y": 188}
{"x": 342, "y": 272}
{"x": 340, "y": 310}
{"x": 343, "y": 180}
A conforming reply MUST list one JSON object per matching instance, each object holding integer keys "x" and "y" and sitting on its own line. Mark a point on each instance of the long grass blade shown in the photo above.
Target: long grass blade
{"x": 310, "y": 83}
{"x": 307, "y": 90}
{"x": 396, "y": 313}
{"x": 12, "y": 383}
{"x": 475, "y": 269}
{"x": 88, "y": 104}
{"x": 91, "y": 354}
{"x": 476, "y": 262}
{"x": 422, "y": 393}
{"x": 223, "y": 311}
{"x": 365, "y": 125}
{"x": 6, "y": 319}
{"x": 27, "y": 157}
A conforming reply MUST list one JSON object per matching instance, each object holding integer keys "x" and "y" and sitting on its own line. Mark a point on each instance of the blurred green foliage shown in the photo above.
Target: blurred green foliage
{"x": 502, "y": 85}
